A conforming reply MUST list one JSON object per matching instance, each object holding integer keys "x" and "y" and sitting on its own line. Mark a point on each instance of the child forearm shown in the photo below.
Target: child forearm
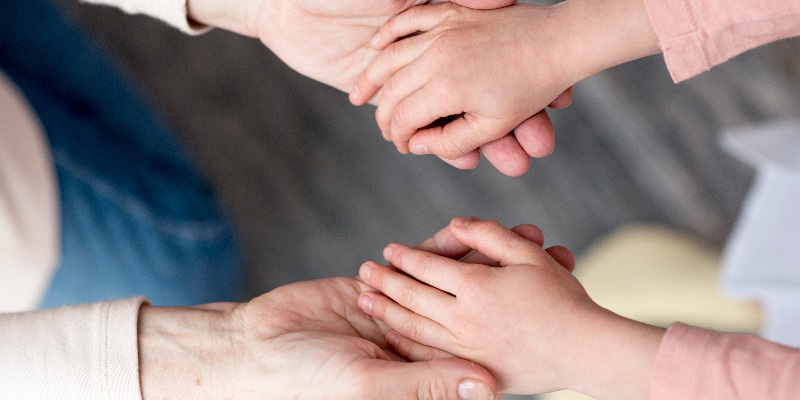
{"x": 601, "y": 34}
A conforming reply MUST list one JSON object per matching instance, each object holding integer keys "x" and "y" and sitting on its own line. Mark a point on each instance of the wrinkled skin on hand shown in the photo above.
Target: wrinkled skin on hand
{"x": 325, "y": 40}
{"x": 309, "y": 340}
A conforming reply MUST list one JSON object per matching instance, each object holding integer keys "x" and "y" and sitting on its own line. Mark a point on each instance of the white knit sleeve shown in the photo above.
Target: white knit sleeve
{"x": 173, "y": 12}
{"x": 82, "y": 352}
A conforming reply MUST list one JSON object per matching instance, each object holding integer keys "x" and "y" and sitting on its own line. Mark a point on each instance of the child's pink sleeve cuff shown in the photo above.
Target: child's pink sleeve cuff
{"x": 695, "y": 363}
{"x": 696, "y": 35}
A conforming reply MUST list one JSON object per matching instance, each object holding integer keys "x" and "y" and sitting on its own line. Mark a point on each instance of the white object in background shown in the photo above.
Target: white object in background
{"x": 761, "y": 260}
{"x": 28, "y": 204}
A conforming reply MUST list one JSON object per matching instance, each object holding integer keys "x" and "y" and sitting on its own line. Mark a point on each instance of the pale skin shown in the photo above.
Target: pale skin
{"x": 491, "y": 69}
{"x": 307, "y": 340}
{"x": 329, "y": 41}
{"x": 527, "y": 320}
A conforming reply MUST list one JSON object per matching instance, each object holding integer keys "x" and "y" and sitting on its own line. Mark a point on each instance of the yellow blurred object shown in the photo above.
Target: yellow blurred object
{"x": 656, "y": 275}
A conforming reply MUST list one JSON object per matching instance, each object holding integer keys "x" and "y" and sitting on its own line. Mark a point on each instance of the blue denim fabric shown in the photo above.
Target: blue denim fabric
{"x": 137, "y": 217}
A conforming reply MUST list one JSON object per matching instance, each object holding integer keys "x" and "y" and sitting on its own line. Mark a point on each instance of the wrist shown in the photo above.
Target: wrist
{"x": 188, "y": 352}
{"x": 617, "y": 359}
{"x": 236, "y": 16}
{"x": 601, "y": 34}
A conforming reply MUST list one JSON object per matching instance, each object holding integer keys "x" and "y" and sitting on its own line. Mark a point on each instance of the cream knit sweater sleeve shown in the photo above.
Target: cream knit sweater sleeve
{"x": 173, "y": 12}
{"x": 81, "y": 352}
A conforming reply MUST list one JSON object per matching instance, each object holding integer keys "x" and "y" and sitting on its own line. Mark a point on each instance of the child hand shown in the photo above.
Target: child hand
{"x": 528, "y": 321}
{"x": 487, "y": 68}
{"x": 490, "y": 315}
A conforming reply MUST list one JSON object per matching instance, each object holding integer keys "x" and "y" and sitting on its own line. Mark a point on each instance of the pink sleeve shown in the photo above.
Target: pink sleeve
{"x": 696, "y": 35}
{"x": 695, "y": 363}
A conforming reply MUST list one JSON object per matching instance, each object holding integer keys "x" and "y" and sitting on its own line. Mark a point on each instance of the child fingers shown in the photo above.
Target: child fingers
{"x": 413, "y": 351}
{"x": 421, "y": 111}
{"x": 507, "y": 156}
{"x": 416, "y": 19}
{"x": 526, "y": 231}
{"x": 386, "y": 64}
{"x": 411, "y": 325}
{"x": 437, "y": 271}
{"x": 444, "y": 244}
{"x": 536, "y": 135}
{"x": 409, "y": 293}
{"x": 496, "y": 242}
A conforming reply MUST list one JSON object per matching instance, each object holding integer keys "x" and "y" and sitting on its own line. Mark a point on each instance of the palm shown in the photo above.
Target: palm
{"x": 326, "y": 40}
{"x": 311, "y": 334}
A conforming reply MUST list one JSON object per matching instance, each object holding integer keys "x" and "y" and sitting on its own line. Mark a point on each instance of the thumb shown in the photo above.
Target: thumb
{"x": 440, "y": 379}
{"x": 460, "y": 136}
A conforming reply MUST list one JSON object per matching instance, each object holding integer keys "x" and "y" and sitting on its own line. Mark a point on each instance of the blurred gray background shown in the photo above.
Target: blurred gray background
{"x": 315, "y": 191}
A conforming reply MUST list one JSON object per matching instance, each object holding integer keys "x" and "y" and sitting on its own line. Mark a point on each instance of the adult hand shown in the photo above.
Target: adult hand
{"x": 329, "y": 41}
{"x": 306, "y": 340}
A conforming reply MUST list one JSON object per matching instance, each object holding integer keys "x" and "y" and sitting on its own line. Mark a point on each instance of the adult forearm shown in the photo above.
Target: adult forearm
{"x": 236, "y": 16}
{"x": 188, "y": 352}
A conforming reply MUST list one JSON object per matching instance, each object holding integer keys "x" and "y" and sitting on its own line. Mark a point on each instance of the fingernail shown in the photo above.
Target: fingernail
{"x": 459, "y": 222}
{"x": 365, "y": 303}
{"x": 366, "y": 271}
{"x": 376, "y": 38}
{"x": 470, "y": 389}
{"x": 387, "y": 253}
{"x": 392, "y": 338}
{"x": 420, "y": 149}
{"x": 354, "y": 93}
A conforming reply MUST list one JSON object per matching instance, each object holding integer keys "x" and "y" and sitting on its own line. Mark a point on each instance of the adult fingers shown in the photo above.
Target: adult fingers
{"x": 411, "y": 350}
{"x": 409, "y": 293}
{"x": 536, "y": 135}
{"x": 484, "y": 4}
{"x": 563, "y": 256}
{"x": 507, "y": 155}
{"x": 439, "y": 379}
{"x": 563, "y": 100}
{"x": 467, "y": 161}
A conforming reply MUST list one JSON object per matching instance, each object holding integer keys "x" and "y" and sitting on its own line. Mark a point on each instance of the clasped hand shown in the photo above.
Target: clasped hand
{"x": 329, "y": 41}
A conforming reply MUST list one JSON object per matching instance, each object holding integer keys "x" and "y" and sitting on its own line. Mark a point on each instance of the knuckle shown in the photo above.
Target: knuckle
{"x": 433, "y": 389}
{"x": 411, "y": 329}
{"x": 400, "y": 120}
{"x": 426, "y": 354}
{"x": 392, "y": 53}
{"x": 451, "y": 148}
{"x": 409, "y": 297}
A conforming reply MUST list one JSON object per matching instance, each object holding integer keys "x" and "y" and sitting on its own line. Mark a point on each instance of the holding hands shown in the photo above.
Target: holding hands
{"x": 481, "y": 72}
{"x": 523, "y": 316}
